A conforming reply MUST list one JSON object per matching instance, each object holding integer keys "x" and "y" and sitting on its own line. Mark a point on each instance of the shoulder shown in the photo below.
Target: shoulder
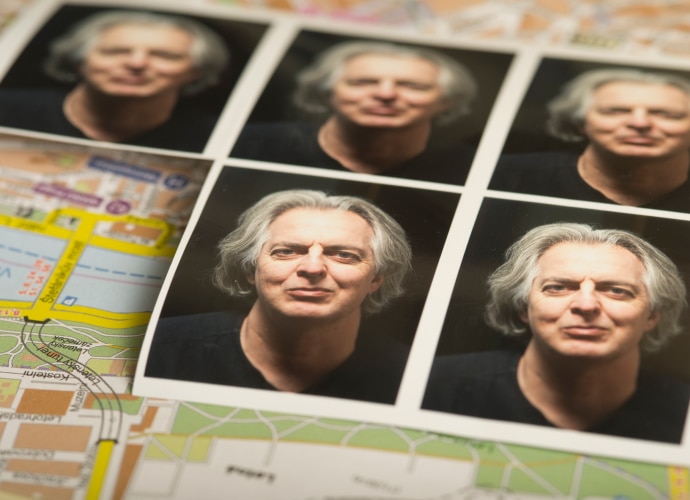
{"x": 538, "y": 161}
{"x": 548, "y": 173}
{"x": 441, "y": 161}
{"x": 460, "y": 383}
{"x": 662, "y": 391}
{"x": 33, "y": 109}
{"x": 476, "y": 365}
{"x": 201, "y": 348}
{"x": 677, "y": 200}
{"x": 380, "y": 349}
{"x": 656, "y": 411}
{"x": 187, "y": 129}
{"x": 274, "y": 141}
{"x": 195, "y": 327}
{"x": 31, "y": 97}
{"x": 371, "y": 373}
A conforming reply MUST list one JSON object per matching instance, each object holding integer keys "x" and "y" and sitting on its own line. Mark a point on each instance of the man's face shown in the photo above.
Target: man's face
{"x": 639, "y": 120}
{"x": 589, "y": 301}
{"x": 316, "y": 264}
{"x": 133, "y": 60}
{"x": 386, "y": 91}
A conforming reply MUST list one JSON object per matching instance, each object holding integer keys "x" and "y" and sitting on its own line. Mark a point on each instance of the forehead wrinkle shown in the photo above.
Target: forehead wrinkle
{"x": 637, "y": 274}
{"x": 295, "y": 227}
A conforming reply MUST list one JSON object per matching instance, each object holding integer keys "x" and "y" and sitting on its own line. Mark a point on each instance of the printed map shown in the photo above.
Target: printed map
{"x": 86, "y": 237}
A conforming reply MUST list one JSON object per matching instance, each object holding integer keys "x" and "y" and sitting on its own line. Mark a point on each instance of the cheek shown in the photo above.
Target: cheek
{"x": 601, "y": 126}
{"x": 681, "y": 131}
{"x": 93, "y": 65}
{"x": 545, "y": 309}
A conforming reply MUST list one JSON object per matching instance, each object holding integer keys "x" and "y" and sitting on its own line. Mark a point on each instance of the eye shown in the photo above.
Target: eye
{"x": 415, "y": 85}
{"x": 113, "y": 51}
{"x": 283, "y": 252}
{"x": 554, "y": 288}
{"x": 619, "y": 292}
{"x": 613, "y": 111}
{"x": 170, "y": 56}
{"x": 345, "y": 256}
{"x": 358, "y": 82}
{"x": 668, "y": 114}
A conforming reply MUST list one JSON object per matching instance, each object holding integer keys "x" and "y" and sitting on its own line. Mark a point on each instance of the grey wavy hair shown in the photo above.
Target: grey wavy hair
{"x": 567, "y": 110}
{"x": 315, "y": 82}
{"x": 240, "y": 249}
{"x": 510, "y": 284}
{"x": 67, "y": 52}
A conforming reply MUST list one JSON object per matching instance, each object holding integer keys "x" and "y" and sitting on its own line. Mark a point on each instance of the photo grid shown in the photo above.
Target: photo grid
{"x": 347, "y": 256}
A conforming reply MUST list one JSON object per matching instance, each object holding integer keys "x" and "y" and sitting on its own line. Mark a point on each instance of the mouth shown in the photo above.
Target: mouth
{"x": 639, "y": 140}
{"x": 382, "y": 111}
{"x": 309, "y": 293}
{"x": 587, "y": 332}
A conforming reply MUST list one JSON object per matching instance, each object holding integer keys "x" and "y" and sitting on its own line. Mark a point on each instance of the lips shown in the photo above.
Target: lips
{"x": 382, "y": 111}
{"x": 584, "y": 331}
{"x": 639, "y": 140}
{"x": 309, "y": 293}
{"x": 131, "y": 81}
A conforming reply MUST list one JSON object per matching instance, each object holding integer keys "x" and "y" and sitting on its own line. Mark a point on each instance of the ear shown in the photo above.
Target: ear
{"x": 250, "y": 278}
{"x": 652, "y": 321}
{"x": 375, "y": 284}
{"x": 443, "y": 105}
{"x": 524, "y": 317}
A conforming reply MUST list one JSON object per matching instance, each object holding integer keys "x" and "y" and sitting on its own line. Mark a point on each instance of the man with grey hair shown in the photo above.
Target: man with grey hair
{"x": 591, "y": 302}
{"x": 311, "y": 265}
{"x": 129, "y": 70}
{"x": 376, "y": 106}
{"x": 635, "y": 129}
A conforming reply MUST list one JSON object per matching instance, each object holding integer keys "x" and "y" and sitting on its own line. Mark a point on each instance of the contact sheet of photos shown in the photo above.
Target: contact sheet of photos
{"x": 476, "y": 239}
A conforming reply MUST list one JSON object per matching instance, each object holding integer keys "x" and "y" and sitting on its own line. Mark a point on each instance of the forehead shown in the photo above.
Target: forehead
{"x": 324, "y": 225}
{"x": 163, "y": 34}
{"x": 390, "y": 64}
{"x": 641, "y": 92}
{"x": 595, "y": 261}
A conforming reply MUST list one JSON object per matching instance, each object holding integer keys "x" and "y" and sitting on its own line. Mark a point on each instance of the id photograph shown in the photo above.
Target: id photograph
{"x": 377, "y": 106}
{"x": 570, "y": 319}
{"x": 300, "y": 284}
{"x": 607, "y": 133}
{"x": 134, "y": 76}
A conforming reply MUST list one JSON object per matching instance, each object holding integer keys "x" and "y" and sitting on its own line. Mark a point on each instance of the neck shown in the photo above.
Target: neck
{"x": 107, "y": 118}
{"x": 575, "y": 393}
{"x": 632, "y": 181}
{"x": 372, "y": 150}
{"x": 293, "y": 355}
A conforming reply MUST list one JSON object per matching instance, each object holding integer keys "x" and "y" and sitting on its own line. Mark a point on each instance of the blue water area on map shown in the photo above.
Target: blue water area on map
{"x": 26, "y": 261}
{"x": 114, "y": 281}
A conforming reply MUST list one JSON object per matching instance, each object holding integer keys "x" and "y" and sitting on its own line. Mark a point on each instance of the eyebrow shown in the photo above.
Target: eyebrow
{"x": 292, "y": 244}
{"x": 611, "y": 282}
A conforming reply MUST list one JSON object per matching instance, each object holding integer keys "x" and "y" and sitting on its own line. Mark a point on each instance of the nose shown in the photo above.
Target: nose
{"x": 385, "y": 89}
{"x": 585, "y": 301}
{"x": 639, "y": 118}
{"x": 137, "y": 59}
{"x": 312, "y": 264}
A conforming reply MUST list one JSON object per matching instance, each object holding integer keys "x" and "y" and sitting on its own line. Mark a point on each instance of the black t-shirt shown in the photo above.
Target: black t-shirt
{"x": 555, "y": 174}
{"x": 206, "y": 348}
{"x": 485, "y": 385}
{"x": 188, "y": 128}
{"x": 297, "y": 144}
